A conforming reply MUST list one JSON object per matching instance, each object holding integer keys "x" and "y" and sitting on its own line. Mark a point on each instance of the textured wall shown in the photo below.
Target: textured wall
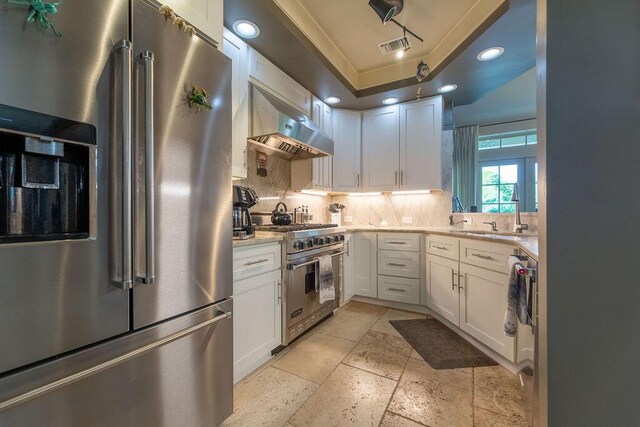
{"x": 277, "y": 184}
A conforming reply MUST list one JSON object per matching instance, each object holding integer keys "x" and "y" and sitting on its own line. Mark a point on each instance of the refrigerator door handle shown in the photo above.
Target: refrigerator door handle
{"x": 148, "y": 276}
{"x": 125, "y": 277}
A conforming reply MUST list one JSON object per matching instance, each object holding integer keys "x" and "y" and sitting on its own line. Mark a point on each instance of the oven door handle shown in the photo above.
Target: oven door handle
{"x": 294, "y": 267}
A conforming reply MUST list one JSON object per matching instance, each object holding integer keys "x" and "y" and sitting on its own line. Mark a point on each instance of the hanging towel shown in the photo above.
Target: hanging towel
{"x": 325, "y": 287}
{"x": 518, "y": 301}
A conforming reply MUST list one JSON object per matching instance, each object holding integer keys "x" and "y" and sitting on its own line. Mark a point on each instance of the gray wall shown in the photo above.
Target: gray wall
{"x": 515, "y": 100}
{"x": 591, "y": 234}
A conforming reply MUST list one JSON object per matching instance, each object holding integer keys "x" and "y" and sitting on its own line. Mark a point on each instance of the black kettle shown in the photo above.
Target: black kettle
{"x": 281, "y": 217}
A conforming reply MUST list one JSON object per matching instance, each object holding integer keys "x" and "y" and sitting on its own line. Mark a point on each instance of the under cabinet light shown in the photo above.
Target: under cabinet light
{"x": 398, "y": 193}
{"x": 314, "y": 192}
{"x": 363, "y": 194}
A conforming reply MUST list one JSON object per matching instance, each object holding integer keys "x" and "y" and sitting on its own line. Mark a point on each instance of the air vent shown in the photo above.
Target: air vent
{"x": 391, "y": 46}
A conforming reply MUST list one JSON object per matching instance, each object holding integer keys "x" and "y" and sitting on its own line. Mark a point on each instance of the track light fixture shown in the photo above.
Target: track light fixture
{"x": 386, "y": 9}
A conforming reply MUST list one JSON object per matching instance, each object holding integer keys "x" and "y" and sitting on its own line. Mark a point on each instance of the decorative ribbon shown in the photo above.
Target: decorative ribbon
{"x": 181, "y": 23}
{"x": 38, "y": 11}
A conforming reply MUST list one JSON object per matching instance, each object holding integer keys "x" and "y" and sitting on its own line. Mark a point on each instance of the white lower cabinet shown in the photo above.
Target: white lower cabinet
{"x": 348, "y": 263}
{"x": 442, "y": 288}
{"x": 470, "y": 289}
{"x": 399, "y": 289}
{"x": 257, "y": 313}
{"x": 483, "y": 301}
{"x": 365, "y": 266}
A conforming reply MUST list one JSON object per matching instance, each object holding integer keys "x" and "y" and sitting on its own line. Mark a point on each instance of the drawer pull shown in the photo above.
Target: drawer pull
{"x": 394, "y": 264}
{"x": 397, "y": 243}
{"x": 397, "y": 290}
{"x": 441, "y": 247}
{"x": 260, "y": 261}
{"x": 483, "y": 256}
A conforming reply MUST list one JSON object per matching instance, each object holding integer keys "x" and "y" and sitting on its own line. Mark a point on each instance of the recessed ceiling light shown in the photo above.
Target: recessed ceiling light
{"x": 491, "y": 53}
{"x": 331, "y": 100}
{"x": 246, "y": 29}
{"x": 447, "y": 88}
{"x": 390, "y": 100}
{"x": 400, "y": 54}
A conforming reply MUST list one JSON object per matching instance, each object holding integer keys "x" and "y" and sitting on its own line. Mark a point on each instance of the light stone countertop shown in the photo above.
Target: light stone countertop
{"x": 260, "y": 238}
{"x": 528, "y": 243}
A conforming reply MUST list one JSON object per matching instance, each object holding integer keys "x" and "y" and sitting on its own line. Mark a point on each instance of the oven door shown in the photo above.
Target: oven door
{"x": 302, "y": 276}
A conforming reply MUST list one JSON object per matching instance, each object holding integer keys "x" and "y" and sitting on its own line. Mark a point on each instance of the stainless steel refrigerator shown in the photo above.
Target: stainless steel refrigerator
{"x": 115, "y": 237}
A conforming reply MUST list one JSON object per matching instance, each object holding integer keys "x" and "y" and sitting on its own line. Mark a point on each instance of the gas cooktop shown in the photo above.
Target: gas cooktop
{"x": 293, "y": 227}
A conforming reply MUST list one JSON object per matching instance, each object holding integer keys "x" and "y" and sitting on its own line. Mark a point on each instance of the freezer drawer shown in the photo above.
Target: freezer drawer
{"x": 183, "y": 376}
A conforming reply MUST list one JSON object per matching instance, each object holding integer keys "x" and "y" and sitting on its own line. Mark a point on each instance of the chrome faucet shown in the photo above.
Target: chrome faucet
{"x": 518, "y": 227}
{"x": 493, "y": 224}
{"x": 454, "y": 223}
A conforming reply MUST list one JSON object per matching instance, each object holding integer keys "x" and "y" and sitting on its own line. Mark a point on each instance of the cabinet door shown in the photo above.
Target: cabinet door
{"x": 257, "y": 321}
{"x": 380, "y": 148}
{"x": 346, "y": 158}
{"x": 365, "y": 264}
{"x": 327, "y": 162}
{"x": 348, "y": 265}
{"x": 483, "y": 301}
{"x": 442, "y": 288}
{"x": 205, "y": 15}
{"x": 237, "y": 50}
{"x": 420, "y": 141}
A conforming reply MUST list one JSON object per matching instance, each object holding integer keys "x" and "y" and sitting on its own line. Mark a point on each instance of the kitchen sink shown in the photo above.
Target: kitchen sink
{"x": 489, "y": 233}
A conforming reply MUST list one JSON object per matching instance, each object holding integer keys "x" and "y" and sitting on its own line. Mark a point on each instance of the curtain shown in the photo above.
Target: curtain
{"x": 465, "y": 148}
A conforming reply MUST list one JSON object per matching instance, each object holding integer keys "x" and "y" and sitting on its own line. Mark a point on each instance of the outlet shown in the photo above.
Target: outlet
{"x": 383, "y": 223}
{"x": 407, "y": 220}
{"x": 348, "y": 218}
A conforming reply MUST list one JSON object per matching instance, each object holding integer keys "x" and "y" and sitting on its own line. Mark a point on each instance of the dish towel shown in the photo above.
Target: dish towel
{"x": 325, "y": 287}
{"x": 517, "y": 300}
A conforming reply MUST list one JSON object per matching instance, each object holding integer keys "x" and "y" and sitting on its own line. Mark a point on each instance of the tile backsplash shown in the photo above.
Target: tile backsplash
{"x": 417, "y": 210}
{"x": 275, "y": 187}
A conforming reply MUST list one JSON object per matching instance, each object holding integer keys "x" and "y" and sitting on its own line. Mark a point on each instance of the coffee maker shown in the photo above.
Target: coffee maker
{"x": 243, "y": 199}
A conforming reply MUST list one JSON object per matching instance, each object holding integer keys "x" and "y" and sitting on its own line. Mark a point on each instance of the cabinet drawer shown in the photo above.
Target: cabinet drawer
{"x": 254, "y": 260}
{"x": 399, "y": 263}
{"x": 486, "y": 255}
{"x": 399, "y": 289}
{"x": 399, "y": 242}
{"x": 444, "y": 246}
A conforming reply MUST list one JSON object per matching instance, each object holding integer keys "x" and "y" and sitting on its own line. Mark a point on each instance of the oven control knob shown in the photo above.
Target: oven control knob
{"x": 335, "y": 238}
{"x": 342, "y": 237}
{"x": 327, "y": 240}
{"x": 298, "y": 244}
{"x": 309, "y": 243}
{"x": 317, "y": 240}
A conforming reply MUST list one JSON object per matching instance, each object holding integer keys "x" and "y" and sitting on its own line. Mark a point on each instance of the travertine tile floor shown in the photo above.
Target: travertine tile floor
{"x": 356, "y": 370}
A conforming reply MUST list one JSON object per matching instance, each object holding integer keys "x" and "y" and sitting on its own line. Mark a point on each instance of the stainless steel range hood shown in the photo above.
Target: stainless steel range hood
{"x": 280, "y": 130}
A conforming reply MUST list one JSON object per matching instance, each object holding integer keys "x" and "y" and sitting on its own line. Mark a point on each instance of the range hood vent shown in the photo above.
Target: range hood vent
{"x": 280, "y": 130}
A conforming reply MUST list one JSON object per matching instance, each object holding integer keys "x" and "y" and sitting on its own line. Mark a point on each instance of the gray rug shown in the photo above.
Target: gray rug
{"x": 439, "y": 346}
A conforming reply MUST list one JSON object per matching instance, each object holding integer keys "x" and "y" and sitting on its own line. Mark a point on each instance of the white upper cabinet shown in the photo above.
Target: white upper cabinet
{"x": 420, "y": 142}
{"x": 315, "y": 174}
{"x": 238, "y": 51}
{"x": 205, "y": 15}
{"x": 380, "y": 139}
{"x": 346, "y": 150}
{"x": 401, "y": 146}
{"x": 268, "y": 77}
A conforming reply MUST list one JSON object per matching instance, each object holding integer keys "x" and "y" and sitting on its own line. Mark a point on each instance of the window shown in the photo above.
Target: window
{"x": 508, "y": 139}
{"x": 496, "y": 184}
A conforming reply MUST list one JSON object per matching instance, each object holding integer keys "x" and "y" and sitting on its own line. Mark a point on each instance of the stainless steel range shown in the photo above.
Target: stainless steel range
{"x": 304, "y": 245}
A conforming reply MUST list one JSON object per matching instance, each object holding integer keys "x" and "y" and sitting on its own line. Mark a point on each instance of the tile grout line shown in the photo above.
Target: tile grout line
{"x": 386, "y": 409}
{"x": 332, "y": 371}
{"x": 473, "y": 396}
